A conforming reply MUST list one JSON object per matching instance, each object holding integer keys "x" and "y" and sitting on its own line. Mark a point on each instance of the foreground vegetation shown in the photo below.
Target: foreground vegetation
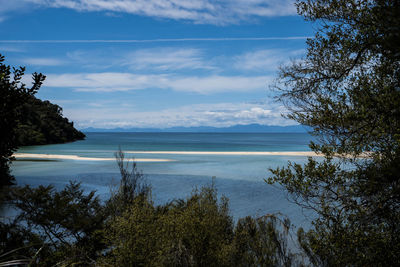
{"x": 71, "y": 228}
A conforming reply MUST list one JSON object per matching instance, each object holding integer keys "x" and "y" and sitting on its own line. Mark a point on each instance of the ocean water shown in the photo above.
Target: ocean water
{"x": 240, "y": 177}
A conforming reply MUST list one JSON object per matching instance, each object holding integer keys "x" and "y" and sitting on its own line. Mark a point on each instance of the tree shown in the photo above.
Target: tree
{"x": 67, "y": 227}
{"x": 131, "y": 186}
{"x": 68, "y": 223}
{"x": 347, "y": 89}
{"x": 13, "y": 94}
{"x": 263, "y": 241}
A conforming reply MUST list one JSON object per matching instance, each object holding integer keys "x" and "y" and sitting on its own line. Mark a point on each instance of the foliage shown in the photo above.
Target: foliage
{"x": 67, "y": 222}
{"x": 73, "y": 228}
{"x": 261, "y": 242}
{"x": 189, "y": 232}
{"x": 13, "y": 94}
{"x": 18, "y": 245}
{"x": 42, "y": 123}
{"x": 347, "y": 90}
{"x": 197, "y": 231}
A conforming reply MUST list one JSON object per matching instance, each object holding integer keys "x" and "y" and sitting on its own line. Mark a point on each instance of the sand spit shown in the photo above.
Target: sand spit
{"x": 75, "y": 157}
{"x": 233, "y": 153}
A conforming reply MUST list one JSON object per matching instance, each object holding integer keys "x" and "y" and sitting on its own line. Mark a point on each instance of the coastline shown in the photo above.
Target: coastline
{"x": 75, "y": 157}
{"x": 36, "y": 156}
{"x": 233, "y": 153}
{"x": 215, "y": 153}
{"x": 248, "y": 153}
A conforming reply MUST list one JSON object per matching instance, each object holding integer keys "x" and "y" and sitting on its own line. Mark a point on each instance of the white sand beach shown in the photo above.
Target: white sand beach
{"x": 221, "y": 153}
{"x": 247, "y": 153}
{"x": 75, "y": 157}
{"x": 233, "y": 153}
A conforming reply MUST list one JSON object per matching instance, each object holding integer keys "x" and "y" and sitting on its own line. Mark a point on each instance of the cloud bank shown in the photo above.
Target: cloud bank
{"x": 218, "y": 115}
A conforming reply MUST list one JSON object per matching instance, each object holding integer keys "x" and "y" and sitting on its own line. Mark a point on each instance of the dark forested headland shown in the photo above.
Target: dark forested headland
{"x": 41, "y": 122}
{"x": 26, "y": 120}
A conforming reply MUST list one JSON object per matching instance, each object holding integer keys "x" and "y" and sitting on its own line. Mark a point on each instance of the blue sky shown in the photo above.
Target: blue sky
{"x": 156, "y": 63}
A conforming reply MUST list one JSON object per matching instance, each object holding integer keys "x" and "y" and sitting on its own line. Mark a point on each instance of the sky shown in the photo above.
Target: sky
{"x": 156, "y": 63}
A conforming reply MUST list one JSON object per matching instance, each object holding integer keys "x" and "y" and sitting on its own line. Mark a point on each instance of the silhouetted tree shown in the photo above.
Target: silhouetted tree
{"x": 26, "y": 120}
{"x": 13, "y": 94}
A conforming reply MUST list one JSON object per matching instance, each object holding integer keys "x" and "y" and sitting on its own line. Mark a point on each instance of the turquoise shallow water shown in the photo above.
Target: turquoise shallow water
{"x": 239, "y": 177}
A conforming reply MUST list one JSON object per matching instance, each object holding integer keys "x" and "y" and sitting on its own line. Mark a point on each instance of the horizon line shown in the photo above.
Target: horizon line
{"x": 160, "y": 40}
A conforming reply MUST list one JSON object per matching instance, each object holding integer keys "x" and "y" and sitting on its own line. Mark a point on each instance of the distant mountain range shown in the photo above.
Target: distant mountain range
{"x": 249, "y": 128}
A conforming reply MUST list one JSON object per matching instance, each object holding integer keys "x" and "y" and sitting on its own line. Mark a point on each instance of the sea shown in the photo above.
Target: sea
{"x": 175, "y": 164}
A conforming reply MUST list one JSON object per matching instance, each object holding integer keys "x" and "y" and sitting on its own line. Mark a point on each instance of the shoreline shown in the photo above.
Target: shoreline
{"x": 232, "y": 153}
{"x": 75, "y": 157}
{"x": 248, "y": 153}
{"x": 215, "y": 153}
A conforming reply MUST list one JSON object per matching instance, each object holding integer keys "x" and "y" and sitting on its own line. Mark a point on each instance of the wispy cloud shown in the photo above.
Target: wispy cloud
{"x": 43, "y": 61}
{"x": 218, "y": 115}
{"x": 164, "y": 59}
{"x": 197, "y": 11}
{"x": 102, "y": 82}
{"x": 112, "y": 81}
{"x": 8, "y": 48}
{"x": 8, "y": 6}
{"x": 219, "y": 84}
{"x": 265, "y": 60}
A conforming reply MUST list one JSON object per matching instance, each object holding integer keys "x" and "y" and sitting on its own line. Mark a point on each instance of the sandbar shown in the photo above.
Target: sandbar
{"x": 233, "y": 153}
{"x": 75, "y": 157}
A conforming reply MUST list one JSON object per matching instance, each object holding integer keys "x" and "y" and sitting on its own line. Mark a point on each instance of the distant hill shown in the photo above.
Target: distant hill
{"x": 249, "y": 128}
{"x": 41, "y": 122}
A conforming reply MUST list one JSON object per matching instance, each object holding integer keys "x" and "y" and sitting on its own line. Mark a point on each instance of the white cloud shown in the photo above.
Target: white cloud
{"x": 106, "y": 81}
{"x": 42, "y": 61}
{"x": 218, "y": 84}
{"x": 198, "y": 11}
{"x": 8, "y": 48}
{"x": 217, "y": 115}
{"x": 162, "y": 59}
{"x": 165, "y": 59}
{"x": 265, "y": 60}
{"x": 264, "y": 8}
{"x": 8, "y": 6}
{"x": 112, "y": 81}
{"x": 159, "y": 59}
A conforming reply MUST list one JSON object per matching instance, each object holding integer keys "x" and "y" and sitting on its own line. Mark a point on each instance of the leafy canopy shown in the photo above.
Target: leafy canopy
{"x": 347, "y": 89}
